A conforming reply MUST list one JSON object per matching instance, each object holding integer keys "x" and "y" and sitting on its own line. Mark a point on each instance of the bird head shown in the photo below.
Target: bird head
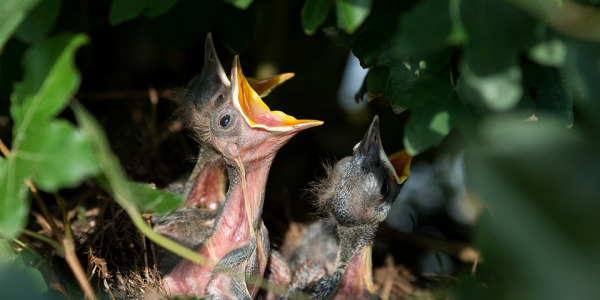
{"x": 361, "y": 188}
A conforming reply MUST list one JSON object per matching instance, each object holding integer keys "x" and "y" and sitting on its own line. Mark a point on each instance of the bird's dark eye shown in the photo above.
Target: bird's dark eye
{"x": 384, "y": 189}
{"x": 225, "y": 120}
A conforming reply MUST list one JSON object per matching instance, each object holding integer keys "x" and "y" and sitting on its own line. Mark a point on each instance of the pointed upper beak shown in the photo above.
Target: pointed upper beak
{"x": 371, "y": 147}
{"x": 263, "y": 87}
{"x": 211, "y": 61}
{"x": 211, "y": 80}
{"x": 256, "y": 113}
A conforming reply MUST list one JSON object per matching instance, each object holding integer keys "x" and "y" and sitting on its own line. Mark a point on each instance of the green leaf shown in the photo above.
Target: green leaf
{"x": 497, "y": 33}
{"x": 377, "y": 82}
{"x": 14, "y": 204}
{"x": 550, "y": 53}
{"x": 500, "y": 91}
{"x": 49, "y": 81}
{"x": 241, "y": 4}
{"x": 538, "y": 181}
{"x": 352, "y": 13}
{"x": 408, "y": 70}
{"x": 553, "y": 98}
{"x": 39, "y": 21}
{"x": 7, "y": 254}
{"x": 428, "y": 26}
{"x": 124, "y": 10}
{"x": 431, "y": 103}
{"x": 152, "y": 200}
{"x": 313, "y": 14}
{"x": 57, "y": 154}
{"x": 13, "y": 12}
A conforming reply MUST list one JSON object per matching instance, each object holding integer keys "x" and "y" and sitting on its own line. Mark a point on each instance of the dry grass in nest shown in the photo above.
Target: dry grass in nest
{"x": 120, "y": 260}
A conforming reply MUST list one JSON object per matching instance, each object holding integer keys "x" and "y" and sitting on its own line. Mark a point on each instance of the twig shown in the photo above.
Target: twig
{"x": 44, "y": 239}
{"x": 71, "y": 256}
{"x": 4, "y": 149}
{"x": 463, "y": 252}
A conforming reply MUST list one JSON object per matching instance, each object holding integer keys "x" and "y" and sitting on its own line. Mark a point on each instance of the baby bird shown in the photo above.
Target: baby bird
{"x": 333, "y": 259}
{"x": 246, "y": 135}
{"x": 205, "y": 188}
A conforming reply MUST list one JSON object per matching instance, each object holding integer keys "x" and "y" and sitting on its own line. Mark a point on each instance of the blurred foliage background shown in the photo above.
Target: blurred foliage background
{"x": 497, "y": 99}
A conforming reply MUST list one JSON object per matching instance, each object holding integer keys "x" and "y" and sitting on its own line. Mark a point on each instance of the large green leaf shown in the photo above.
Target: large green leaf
{"x": 50, "y": 79}
{"x": 499, "y": 91}
{"x": 538, "y": 182}
{"x": 352, "y": 13}
{"x": 432, "y": 105}
{"x": 124, "y": 10}
{"x": 427, "y": 27}
{"x": 19, "y": 278}
{"x": 553, "y": 98}
{"x": 14, "y": 204}
{"x": 13, "y": 12}
{"x": 497, "y": 33}
{"x": 57, "y": 155}
{"x": 39, "y": 21}
{"x": 37, "y": 150}
{"x": 313, "y": 14}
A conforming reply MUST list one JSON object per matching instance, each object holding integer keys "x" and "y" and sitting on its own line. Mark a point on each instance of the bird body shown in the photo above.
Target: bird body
{"x": 333, "y": 259}
{"x": 234, "y": 122}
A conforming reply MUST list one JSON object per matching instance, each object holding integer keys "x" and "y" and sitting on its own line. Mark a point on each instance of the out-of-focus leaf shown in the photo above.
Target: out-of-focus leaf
{"x": 21, "y": 283}
{"x": 313, "y": 14}
{"x": 498, "y": 92}
{"x": 497, "y": 33}
{"x": 39, "y": 21}
{"x": 14, "y": 204}
{"x": 123, "y": 10}
{"x": 22, "y": 262}
{"x": 11, "y": 15}
{"x": 539, "y": 183}
{"x": 583, "y": 70}
{"x": 49, "y": 80}
{"x": 378, "y": 33}
{"x": 553, "y": 98}
{"x": 377, "y": 82}
{"x": 406, "y": 71}
{"x": 352, "y": 13}
{"x": 427, "y": 27}
{"x": 241, "y": 4}
{"x": 7, "y": 254}
{"x": 151, "y": 200}
{"x": 58, "y": 155}
{"x": 550, "y": 53}
{"x": 431, "y": 103}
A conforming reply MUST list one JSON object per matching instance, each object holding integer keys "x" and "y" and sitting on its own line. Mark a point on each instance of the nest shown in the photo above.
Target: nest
{"x": 121, "y": 261}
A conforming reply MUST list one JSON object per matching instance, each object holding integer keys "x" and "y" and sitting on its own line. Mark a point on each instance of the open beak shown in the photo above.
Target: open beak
{"x": 256, "y": 113}
{"x": 263, "y": 87}
{"x": 401, "y": 162}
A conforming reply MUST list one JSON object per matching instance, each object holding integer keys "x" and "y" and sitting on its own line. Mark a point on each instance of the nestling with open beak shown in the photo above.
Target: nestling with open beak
{"x": 243, "y": 132}
{"x": 333, "y": 259}
{"x": 205, "y": 188}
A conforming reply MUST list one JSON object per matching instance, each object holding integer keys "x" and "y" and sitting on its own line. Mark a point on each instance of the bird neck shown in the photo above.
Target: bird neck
{"x": 353, "y": 240}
